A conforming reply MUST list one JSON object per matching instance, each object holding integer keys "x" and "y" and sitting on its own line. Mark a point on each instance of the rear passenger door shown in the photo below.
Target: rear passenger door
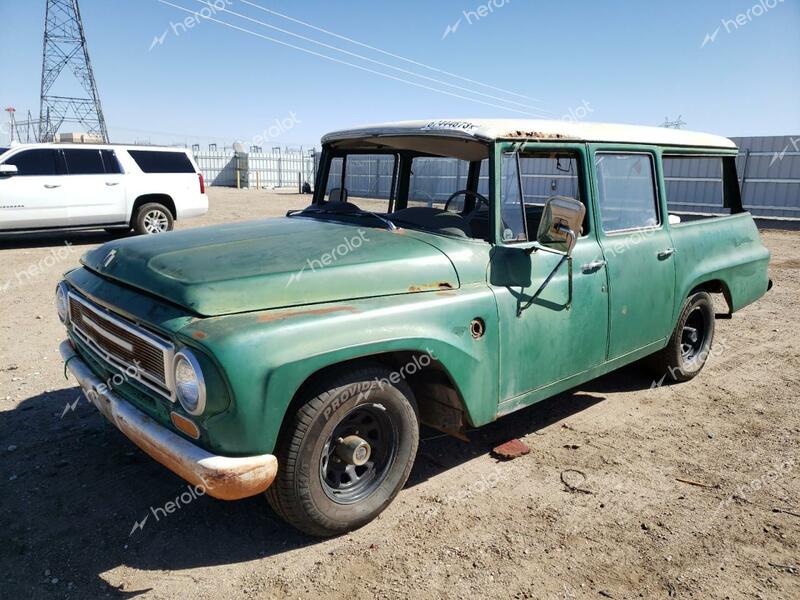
{"x": 95, "y": 187}
{"x": 637, "y": 249}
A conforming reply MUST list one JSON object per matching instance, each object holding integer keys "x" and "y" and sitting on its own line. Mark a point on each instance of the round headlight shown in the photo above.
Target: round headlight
{"x": 190, "y": 388}
{"x": 62, "y": 306}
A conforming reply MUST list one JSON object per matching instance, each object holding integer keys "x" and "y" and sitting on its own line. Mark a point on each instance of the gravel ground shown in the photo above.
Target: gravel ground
{"x": 677, "y": 491}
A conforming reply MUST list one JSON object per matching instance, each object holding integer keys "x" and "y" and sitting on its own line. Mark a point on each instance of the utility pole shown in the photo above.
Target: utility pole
{"x": 12, "y": 124}
{"x": 65, "y": 46}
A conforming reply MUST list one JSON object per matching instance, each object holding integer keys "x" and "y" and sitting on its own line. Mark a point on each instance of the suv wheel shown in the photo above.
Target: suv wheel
{"x": 690, "y": 343}
{"x": 152, "y": 218}
{"x": 347, "y": 453}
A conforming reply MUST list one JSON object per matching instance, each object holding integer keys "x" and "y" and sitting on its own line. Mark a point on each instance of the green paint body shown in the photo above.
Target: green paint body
{"x": 267, "y": 304}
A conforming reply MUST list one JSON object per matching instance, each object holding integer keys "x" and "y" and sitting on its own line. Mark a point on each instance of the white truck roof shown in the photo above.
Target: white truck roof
{"x": 542, "y": 130}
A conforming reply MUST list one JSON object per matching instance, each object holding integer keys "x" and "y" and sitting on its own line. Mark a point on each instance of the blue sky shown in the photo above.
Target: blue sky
{"x": 620, "y": 60}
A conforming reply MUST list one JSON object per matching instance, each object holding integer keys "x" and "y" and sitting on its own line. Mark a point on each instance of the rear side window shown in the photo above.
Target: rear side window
{"x": 110, "y": 162}
{"x": 626, "y": 191}
{"x": 84, "y": 162}
{"x": 40, "y": 162}
{"x": 695, "y": 185}
{"x": 152, "y": 161}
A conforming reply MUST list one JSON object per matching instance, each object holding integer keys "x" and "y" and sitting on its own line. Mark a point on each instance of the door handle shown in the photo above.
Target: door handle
{"x": 666, "y": 253}
{"x": 52, "y": 186}
{"x": 112, "y": 183}
{"x": 593, "y": 266}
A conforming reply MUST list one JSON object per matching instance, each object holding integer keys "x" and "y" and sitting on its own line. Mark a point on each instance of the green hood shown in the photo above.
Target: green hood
{"x": 274, "y": 263}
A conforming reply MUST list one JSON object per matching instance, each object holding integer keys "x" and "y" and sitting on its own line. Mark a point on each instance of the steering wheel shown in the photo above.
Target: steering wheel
{"x": 466, "y": 193}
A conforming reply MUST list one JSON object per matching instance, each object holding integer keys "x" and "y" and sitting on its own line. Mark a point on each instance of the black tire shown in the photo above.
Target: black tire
{"x": 152, "y": 218}
{"x": 688, "y": 348}
{"x": 303, "y": 493}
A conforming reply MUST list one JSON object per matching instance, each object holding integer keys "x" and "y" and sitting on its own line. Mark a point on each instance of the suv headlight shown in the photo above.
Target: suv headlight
{"x": 190, "y": 387}
{"x": 62, "y": 304}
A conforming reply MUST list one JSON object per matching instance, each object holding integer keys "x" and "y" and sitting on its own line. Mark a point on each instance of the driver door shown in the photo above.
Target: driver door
{"x": 548, "y": 341}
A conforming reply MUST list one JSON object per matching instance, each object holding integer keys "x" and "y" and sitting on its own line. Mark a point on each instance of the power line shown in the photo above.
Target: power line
{"x": 349, "y": 64}
{"x": 393, "y": 55}
{"x": 366, "y": 58}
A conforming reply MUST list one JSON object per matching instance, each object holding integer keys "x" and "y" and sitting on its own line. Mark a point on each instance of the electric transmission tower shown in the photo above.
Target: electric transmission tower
{"x": 65, "y": 49}
{"x": 676, "y": 124}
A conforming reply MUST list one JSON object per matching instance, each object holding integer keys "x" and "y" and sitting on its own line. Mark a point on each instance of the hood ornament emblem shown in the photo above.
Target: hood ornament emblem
{"x": 109, "y": 258}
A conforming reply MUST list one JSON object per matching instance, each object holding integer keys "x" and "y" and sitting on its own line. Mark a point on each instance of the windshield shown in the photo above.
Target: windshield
{"x": 407, "y": 186}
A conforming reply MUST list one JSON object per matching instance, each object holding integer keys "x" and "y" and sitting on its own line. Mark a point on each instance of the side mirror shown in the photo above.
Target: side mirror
{"x": 8, "y": 170}
{"x": 561, "y": 223}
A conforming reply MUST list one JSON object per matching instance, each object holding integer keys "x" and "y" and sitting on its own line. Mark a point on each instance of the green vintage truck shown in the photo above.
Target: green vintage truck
{"x": 446, "y": 273}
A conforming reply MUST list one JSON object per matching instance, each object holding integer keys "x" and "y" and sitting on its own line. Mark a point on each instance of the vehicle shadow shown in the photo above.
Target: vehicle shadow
{"x": 47, "y": 239}
{"x": 79, "y": 499}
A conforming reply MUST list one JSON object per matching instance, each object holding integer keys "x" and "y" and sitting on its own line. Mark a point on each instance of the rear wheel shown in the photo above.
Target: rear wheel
{"x": 347, "y": 453}
{"x": 690, "y": 344}
{"x": 152, "y": 218}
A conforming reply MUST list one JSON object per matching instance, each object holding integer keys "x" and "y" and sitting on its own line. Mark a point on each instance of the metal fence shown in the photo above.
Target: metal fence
{"x": 274, "y": 169}
{"x": 769, "y": 170}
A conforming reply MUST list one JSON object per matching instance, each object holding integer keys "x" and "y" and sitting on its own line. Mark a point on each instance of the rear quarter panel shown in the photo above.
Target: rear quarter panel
{"x": 183, "y": 188}
{"x": 726, "y": 249}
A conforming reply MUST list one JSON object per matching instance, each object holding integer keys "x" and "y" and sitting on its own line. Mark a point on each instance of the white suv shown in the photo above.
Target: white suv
{"x": 84, "y": 186}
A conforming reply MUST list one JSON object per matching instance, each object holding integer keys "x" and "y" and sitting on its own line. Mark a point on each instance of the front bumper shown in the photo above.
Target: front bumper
{"x": 222, "y": 477}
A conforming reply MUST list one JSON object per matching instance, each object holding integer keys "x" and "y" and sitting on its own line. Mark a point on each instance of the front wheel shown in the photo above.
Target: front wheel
{"x": 690, "y": 344}
{"x": 347, "y": 453}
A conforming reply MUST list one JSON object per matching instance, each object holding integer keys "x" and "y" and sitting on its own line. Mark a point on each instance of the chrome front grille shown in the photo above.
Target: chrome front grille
{"x": 144, "y": 356}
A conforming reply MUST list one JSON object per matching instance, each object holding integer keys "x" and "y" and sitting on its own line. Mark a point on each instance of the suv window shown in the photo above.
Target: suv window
{"x": 153, "y": 161}
{"x": 84, "y": 162}
{"x": 110, "y": 162}
{"x": 626, "y": 191}
{"x": 36, "y": 162}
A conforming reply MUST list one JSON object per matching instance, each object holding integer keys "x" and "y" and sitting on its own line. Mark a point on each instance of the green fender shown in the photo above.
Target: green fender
{"x": 267, "y": 356}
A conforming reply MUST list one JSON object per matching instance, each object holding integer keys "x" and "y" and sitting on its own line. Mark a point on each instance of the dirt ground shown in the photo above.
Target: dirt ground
{"x": 677, "y": 491}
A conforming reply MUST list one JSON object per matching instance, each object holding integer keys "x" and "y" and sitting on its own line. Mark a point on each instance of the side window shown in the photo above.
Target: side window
{"x": 84, "y": 162}
{"x": 110, "y": 162}
{"x": 512, "y": 207}
{"x": 35, "y": 162}
{"x": 154, "y": 161}
{"x": 626, "y": 191}
{"x": 695, "y": 185}
{"x": 549, "y": 174}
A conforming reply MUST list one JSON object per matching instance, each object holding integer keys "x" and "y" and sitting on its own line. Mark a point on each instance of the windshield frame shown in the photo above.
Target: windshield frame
{"x": 401, "y": 178}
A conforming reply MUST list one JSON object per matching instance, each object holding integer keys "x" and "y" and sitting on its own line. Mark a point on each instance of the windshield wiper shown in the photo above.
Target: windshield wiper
{"x": 361, "y": 213}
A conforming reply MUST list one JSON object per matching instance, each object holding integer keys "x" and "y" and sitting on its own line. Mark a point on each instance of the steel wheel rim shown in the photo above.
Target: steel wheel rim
{"x": 346, "y": 483}
{"x": 155, "y": 221}
{"x": 693, "y": 335}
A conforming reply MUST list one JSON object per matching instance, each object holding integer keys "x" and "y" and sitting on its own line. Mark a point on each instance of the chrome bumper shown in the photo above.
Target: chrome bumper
{"x": 223, "y": 477}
